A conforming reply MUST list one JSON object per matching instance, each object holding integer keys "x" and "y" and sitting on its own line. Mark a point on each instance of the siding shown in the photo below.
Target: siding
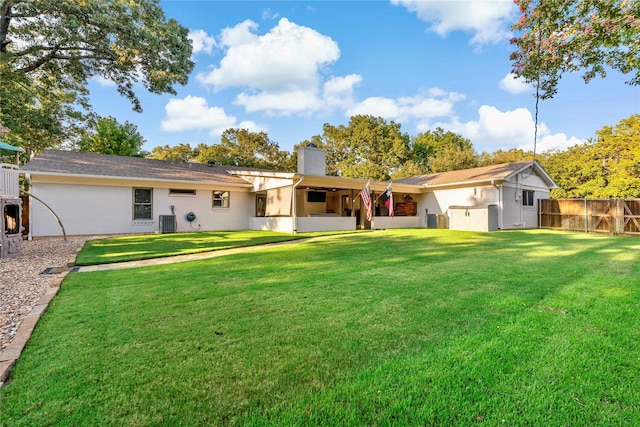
{"x": 94, "y": 209}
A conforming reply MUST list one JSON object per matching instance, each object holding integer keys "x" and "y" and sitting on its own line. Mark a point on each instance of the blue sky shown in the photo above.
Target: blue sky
{"x": 288, "y": 67}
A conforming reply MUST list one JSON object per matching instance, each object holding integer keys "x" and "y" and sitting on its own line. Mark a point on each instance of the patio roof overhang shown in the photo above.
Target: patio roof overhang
{"x": 340, "y": 183}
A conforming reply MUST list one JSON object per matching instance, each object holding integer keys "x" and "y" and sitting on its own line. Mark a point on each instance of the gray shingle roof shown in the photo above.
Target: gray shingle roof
{"x": 89, "y": 164}
{"x": 485, "y": 173}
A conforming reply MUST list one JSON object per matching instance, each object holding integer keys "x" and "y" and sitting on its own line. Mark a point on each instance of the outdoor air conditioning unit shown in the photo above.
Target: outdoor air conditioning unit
{"x": 168, "y": 224}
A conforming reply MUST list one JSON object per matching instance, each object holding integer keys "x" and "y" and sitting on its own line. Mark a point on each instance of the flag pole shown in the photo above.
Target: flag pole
{"x": 385, "y": 190}
{"x": 368, "y": 185}
{"x": 365, "y": 196}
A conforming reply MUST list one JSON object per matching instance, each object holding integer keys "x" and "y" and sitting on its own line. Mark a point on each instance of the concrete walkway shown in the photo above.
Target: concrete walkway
{"x": 193, "y": 257}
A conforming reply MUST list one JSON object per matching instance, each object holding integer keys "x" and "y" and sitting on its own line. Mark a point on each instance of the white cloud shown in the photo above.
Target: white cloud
{"x": 268, "y": 14}
{"x": 376, "y": 106}
{"x": 282, "y": 71}
{"x": 420, "y": 108}
{"x": 514, "y": 85}
{"x": 288, "y": 57}
{"x": 338, "y": 91}
{"x": 241, "y": 34}
{"x": 284, "y": 103}
{"x": 201, "y": 41}
{"x": 555, "y": 141}
{"x": 194, "y": 113}
{"x": 497, "y": 129}
{"x": 488, "y": 20}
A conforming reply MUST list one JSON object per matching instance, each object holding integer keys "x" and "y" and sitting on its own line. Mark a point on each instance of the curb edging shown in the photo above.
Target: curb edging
{"x": 13, "y": 351}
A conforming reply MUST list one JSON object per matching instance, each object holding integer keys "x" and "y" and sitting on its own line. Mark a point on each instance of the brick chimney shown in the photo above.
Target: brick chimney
{"x": 312, "y": 160}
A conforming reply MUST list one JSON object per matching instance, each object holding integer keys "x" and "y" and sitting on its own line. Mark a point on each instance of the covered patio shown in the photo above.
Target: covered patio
{"x": 324, "y": 203}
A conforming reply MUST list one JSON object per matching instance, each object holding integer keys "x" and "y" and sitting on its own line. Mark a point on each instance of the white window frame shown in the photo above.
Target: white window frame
{"x": 134, "y": 204}
{"x": 528, "y": 198}
{"x": 220, "y": 199}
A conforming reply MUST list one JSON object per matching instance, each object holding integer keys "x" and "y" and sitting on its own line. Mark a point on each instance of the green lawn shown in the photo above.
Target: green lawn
{"x": 148, "y": 246}
{"x": 399, "y": 327}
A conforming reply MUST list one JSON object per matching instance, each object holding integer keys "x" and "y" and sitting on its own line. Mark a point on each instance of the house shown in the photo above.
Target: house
{"x": 507, "y": 193}
{"x": 103, "y": 194}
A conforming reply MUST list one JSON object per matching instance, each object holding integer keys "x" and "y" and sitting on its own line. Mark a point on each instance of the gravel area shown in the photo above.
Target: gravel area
{"x": 22, "y": 282}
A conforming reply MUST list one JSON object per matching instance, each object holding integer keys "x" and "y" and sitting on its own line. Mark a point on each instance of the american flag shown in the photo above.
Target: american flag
{"x": 366, "y": 199}
{"x": 387, "y": 197}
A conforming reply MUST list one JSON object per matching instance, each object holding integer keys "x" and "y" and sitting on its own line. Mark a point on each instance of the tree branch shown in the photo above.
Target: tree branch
{"x": 5, "y": 20}
{"x": 55, "y": 53}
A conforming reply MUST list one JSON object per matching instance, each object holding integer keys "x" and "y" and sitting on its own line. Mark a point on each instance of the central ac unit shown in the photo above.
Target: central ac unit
{"x": 168, "y": 224}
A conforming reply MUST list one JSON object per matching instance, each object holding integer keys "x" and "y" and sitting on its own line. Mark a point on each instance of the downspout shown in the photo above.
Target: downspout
{"x": 500, "y": 212}
{"x": 293, "y": 205}
{"x": 518, "y": 199}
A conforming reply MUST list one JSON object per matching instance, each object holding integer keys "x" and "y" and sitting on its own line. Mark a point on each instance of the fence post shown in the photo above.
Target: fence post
{"x": 618, "y": 219}
{"x": 540, "y": 201}
{"x": 586, "y": 217}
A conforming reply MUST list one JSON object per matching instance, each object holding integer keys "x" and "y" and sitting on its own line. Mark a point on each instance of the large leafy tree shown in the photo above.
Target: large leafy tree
{"x": 36, "y": 113}
{"x": 603, "y": 167}
{"x": 504, "y": 156}
{"x": 110, "y": 137}
{"x": 592, "y": 36}
{"x": 240, "y": 147}
{"x": 176, "y": 153}
{"x": 440, "y": 151}
{"x": 237, "y": 147}
{"x": 49, "y": 49}
{"x": 368, "y": 147}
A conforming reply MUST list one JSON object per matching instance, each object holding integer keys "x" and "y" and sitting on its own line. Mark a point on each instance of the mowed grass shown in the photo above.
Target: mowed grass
{"x": 399, "y": 327}
{"x": 148, "y": 246}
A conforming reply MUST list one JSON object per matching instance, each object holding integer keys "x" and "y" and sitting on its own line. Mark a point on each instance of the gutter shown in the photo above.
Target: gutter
{"x": 461, "y": 183}
{"x": 43, "y": 179}
{"x": 293, "y": 205}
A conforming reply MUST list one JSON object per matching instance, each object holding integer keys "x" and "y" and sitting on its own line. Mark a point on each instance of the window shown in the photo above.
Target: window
{"x": 261, "y": 204}
{"x": 181, "y": 192}
{"x": 527, "y": 198}
{"x": 142, "y": 202}
{"x": 220, "y": 199}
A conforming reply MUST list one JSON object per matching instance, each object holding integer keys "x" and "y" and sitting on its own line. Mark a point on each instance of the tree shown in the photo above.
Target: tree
{"x": 606, "y": 166}
{"x": 453, "y": 158}
{"x": 238, "y": 147}
{"x": 440, "y": 151}
{"x": 501, "y": 156}
{"x": 111, "y": 137}
{"x": 368, "y": 147}
{"x": 49, "y": 49}
{"x": 35, "y": 122}
{"x": 177, "y": 153}
{"x": 4, "y": 131}
{"x": 558, "y": 36}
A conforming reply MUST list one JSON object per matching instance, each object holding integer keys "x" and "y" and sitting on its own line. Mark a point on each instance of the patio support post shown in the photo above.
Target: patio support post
{"x": 293, "y": 205}
{"x": 351, "y": 202}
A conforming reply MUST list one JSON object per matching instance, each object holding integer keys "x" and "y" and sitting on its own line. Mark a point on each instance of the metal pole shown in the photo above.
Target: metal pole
{"x": 64, "y": 233}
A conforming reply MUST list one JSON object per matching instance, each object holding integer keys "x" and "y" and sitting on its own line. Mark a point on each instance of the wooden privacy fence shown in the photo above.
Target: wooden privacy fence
{"x": 613, "y": 216}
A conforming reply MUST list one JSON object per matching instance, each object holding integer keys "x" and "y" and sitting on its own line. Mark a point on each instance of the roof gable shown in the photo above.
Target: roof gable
{"x": 500, "y": 172}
